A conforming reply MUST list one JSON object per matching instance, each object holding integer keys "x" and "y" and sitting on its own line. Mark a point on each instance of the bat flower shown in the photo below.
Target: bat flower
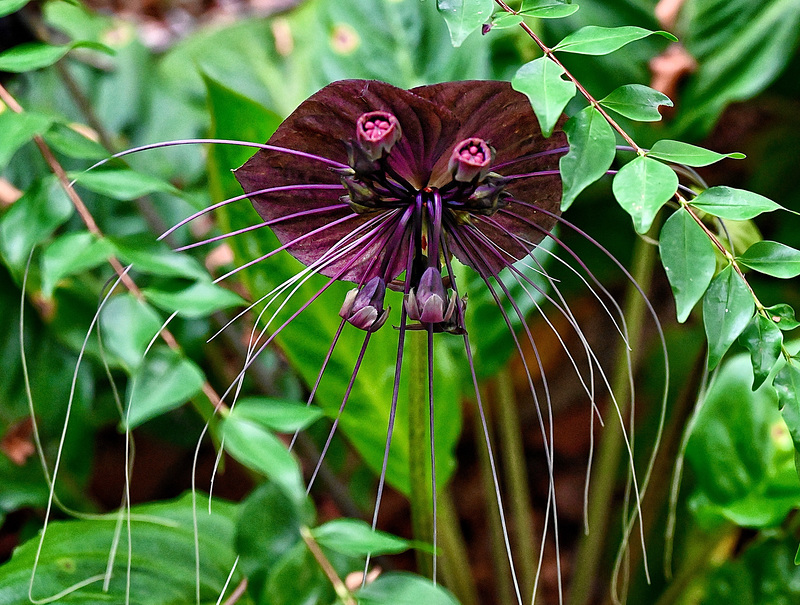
{"x": 403, "y": 180}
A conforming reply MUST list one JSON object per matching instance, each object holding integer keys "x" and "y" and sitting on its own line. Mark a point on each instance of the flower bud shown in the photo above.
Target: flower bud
{"x": 364, "y": 308}
{"x": 471, "y": 159}
{"x": 376, "y": 133}
{"x": 489, "y": 196}
{"x": 426, "y": 302}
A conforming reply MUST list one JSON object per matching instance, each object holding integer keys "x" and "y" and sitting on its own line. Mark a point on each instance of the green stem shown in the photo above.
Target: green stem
{"x": 455, "y": 562}
{"x": 419, "y": 447}
{"x": 513, "y": 453}
{"x": 601, "y": 503}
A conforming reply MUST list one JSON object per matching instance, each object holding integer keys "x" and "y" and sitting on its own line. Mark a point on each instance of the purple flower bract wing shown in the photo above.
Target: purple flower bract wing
{"x": 433, "y": 119}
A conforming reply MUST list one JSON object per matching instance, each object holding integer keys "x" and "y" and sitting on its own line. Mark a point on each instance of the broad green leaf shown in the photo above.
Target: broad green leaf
{"x": 296, "y": 578}
{"x": 592, "y": 147}
{"x": 783, "y": 316}
{"x": 127, "y": 326}
{"x": 278, "y": 414}
{"x": 165, "y": 381}
{"x": 690, "y": 155}
{"x": 763, "y": 339}
{"x": 149, "y": 256}
{"x": 200, "y": 299}
{"x": 787, "y": 385}
{"x": 541, "y": 81}
{"x": 772, "y": 258}
{"x": 688, "y": 258}
{"x": 162, "y": 566}
{"x": 16, "y": 129}
{"x": 71, "y": 254}
{"x": 464, "y": 17}
{"x": 31, "y": 220}
{"x": 11, "y": 6}
{"x": 268, "y": 527}
{"x": 36, "y": 55}
{"x": 595, "y": 40}
{"x": 730, "y": 448}
{"x": 71, "y": 143}
{"x": 642, "y": 187}
{"x": 356, "y": 538}
{"x": 727, "y": 309}
{"x": 122, "y": 184}
{"x": 259, "y": 449}
{"x": 734, "y": 204}
{"x": 403, "y": 588}
{"x": 637, "y": 102}
{"x": 547, "y": 9}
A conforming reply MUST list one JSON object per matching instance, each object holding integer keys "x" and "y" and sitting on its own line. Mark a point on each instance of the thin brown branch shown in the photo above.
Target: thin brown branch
{"x": 338, "y": 585}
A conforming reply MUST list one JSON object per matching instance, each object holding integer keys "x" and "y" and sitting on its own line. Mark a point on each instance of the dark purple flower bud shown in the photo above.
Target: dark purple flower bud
{"x": 376, "y": 133}
{"x": 489, "y": 196}
{"x": 361, "y": 197}
{"x": 364, "y": 308}
{"x": 486, "y": 28}
{"x": 426, "y": 303}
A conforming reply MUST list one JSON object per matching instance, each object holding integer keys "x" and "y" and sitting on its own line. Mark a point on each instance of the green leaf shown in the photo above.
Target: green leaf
{"x": 541, "y": 81}
{"x": 356, "y": 538}
{"x": 642, "y": 187}
{"x": 730, "y": 448}
{"x": 31, "y": 220}
{"x": 547, "y": 9}
{"x": 156, "y": 258}
{"x": 783, "y": 316}
{"x": 464, "y": 16}
{"x": 690, "y": 155}
{"x": 592, "y": 147}
{"x": 688, "y": 258}
{"x": 72, "y": 144}
{"x": 503, "y": 20}
{"x": 637, "y": 102}
{"x": 595, "y": 40}
{"x": 259, "y": 449}
{"x": 127, "y": 326}
{"x": 403, "y": 588}
{"x": 772, "y": 258}
{"x": 16, "y": 129}
{"x": 787, "y": 385}
{"x": 11, "y": 6}
{"x": 123, "y": 184}
{"x": 727, "y": 309}
{"x": 763, "y": 339}
{"x": 165, "y": 381}
{"x": 36, "y": 55}
{"x": 278, "y": 414}
{"x": 71, "y": 254}
{"x": 268, "y": 527}
{"x": 734, "y": 204}
{"x": 200, "y": 299}
{"x": 162, "y": 565}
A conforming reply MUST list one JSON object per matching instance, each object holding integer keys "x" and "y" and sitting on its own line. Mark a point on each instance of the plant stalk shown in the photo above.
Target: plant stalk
{"x": 419, "y": 447}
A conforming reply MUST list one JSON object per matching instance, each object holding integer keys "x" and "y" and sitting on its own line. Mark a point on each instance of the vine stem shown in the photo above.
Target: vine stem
{"x": 587, "y": 95}
{"x": 419, "y": 446}
{"x": 91, "y": 225}
{"x": 324, "y": 564}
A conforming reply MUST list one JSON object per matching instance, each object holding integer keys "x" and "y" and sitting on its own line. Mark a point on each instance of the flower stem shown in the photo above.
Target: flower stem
{"x": 419, "y": 447}
{"x": 601, "y": 504}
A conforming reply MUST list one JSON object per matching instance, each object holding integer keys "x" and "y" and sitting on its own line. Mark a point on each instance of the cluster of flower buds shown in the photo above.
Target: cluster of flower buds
{"x": 471, "y": 160}
{"x": 364, "y": 308}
